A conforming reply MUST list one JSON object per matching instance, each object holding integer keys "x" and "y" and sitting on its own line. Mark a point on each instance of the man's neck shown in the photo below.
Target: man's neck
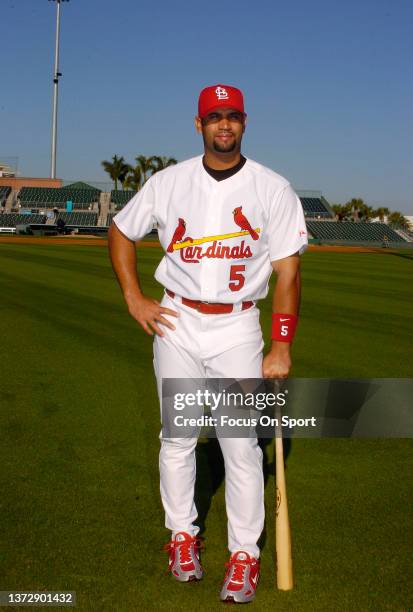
{"x": 223, "y": 161}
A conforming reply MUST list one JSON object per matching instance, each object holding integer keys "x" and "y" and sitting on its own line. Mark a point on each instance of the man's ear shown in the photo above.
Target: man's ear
{"x": 198, "y": 125}
{"x": 245, "y": 123}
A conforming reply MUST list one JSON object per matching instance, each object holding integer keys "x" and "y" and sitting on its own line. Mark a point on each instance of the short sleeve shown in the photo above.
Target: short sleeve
{"x": 137, "y": 218}
{"x": 286, "y": 230}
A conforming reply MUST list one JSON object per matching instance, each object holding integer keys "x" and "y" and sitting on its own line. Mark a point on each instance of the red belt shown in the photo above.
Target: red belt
{"x": 210, "y": 307}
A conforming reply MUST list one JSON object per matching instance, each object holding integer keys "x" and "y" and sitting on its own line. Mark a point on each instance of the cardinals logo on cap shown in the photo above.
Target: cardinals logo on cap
{"x": 219, "y": 95}
{"x": 222, "y": 93}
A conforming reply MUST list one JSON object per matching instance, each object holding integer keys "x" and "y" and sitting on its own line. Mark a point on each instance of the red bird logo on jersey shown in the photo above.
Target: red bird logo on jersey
{"x": 179, "y": 233}
{"x": 242, "y": 222}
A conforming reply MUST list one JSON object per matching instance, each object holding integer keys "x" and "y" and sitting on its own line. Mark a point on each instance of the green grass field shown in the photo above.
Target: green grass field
{"x": 80, "y": 506}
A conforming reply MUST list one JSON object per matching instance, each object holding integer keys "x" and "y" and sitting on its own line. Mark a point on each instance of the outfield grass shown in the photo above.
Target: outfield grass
{"x": 80, "y": 507}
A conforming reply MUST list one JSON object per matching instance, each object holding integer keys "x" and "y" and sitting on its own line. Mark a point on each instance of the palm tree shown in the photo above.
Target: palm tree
{"x": 160, "y": 163}
{"x": 353, "y": 207}
{"x": 146, "y": 165}
{"x": 134, "y": 179}
{"x": 343, "y": 211}
{"x": 336, "y": 208}
{"x": 396, "y": 218}
{"x": 339, "y": 211}
{"x": 381, "y": 213}
{"x": 124, "y": 175}
{"x": 117, "y": 169}
{"x": 366, "y": 212}
{"x": 355, "y": 203}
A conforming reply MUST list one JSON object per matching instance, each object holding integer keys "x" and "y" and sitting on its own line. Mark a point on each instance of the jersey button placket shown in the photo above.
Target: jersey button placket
{"x": 207, "y": 279}
{"x": 213, "y": 228}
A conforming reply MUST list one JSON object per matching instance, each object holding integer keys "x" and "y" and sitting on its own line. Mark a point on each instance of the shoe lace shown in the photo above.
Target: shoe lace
{"x": 185, "y": 547}
{"x": 185, "y": 550}
{"x": 239, "y": 567}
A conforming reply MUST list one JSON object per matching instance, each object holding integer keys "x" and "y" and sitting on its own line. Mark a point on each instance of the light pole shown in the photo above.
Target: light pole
{"x": 56, "y": 76}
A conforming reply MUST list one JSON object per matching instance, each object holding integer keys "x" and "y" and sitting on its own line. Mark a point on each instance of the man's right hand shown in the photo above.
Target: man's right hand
{"x": 148, "y": 313}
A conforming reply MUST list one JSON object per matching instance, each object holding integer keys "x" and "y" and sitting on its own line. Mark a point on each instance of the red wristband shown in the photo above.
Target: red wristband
{"x": 283, "y": 327}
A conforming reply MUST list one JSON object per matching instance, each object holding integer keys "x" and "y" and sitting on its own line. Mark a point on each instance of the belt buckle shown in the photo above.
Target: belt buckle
{"x": 200, "y": 304}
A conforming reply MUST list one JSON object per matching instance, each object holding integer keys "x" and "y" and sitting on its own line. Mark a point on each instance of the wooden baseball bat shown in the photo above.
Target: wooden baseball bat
{"x": 284, "y": 560}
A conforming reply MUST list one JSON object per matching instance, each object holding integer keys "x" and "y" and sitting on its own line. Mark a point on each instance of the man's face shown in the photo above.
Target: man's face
{"x": 222, "y": 129}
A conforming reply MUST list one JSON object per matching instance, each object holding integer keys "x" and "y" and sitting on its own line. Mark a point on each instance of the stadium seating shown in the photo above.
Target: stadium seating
{"x": 4, "y": 193}
{"x": 13, "y": 219}
{"x": 352, "y": 232}
{"x": 110, "y": 218}
{"x": 49, "y": 197}
{"x": 314, "y": 207}
{"x": 120, "y": 198}
{"x": 78, "y": 218}
{"x": 405, "y": 233}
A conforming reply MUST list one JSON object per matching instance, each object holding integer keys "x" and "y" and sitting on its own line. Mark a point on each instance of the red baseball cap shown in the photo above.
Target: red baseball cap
{"x": 220, "y": 95}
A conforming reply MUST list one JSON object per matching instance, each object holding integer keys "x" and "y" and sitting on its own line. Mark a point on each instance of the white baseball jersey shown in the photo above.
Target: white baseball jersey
{"x": 219, "y": 237}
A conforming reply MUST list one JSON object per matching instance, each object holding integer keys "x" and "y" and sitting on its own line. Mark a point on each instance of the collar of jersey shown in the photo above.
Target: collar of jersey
{"x": 227, "y": 180}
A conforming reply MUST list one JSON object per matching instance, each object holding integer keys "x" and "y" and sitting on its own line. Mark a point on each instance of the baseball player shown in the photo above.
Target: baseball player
{"x": 225, "y": 223}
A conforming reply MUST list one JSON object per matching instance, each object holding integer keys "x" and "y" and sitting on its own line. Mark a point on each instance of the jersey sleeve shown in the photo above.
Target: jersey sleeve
{"x": 137, "y": 218}
{"x": 286, "y": 230}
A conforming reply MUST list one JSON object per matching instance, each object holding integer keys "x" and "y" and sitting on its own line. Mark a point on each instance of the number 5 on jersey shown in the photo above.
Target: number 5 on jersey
{"x": 237, "y": 280}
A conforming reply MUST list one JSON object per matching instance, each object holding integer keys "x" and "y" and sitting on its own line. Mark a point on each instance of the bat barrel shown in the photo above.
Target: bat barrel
{"x": 284, "y": 562}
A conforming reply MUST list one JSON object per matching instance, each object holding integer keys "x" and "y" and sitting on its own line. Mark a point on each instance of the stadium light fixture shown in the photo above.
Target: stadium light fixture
{"x": 56, "y": 75}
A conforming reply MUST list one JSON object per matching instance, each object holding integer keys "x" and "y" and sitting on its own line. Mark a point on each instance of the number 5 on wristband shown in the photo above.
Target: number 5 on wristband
{"x": 283, "y": 327}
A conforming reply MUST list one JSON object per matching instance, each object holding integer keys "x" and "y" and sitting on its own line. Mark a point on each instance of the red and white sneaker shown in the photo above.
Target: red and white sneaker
{"x": 241, "y": 578}
{"x": 184, "y": 562}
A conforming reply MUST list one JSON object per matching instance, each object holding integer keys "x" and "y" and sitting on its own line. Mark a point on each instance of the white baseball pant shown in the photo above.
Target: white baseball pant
{"x": 212, "y": 346}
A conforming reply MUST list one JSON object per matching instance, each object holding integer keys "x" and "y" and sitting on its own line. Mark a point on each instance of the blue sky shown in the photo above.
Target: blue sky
{"x": 328, "y": 87}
